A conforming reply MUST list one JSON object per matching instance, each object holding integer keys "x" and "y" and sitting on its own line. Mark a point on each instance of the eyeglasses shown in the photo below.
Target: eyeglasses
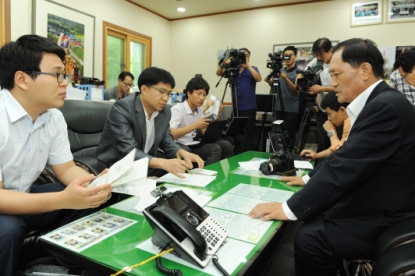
{"x": 404, "y": 76}
{"x": 162, "y": 91}
{"x": 128, "y": 84}
{"x": 60, "y": 77}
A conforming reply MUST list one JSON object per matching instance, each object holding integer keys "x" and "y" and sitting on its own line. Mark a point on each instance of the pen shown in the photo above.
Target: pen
{"x": 187, "y": 169}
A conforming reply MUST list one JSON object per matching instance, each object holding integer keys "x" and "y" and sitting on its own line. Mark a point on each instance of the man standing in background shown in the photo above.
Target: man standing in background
{"x": 245, "y": 79}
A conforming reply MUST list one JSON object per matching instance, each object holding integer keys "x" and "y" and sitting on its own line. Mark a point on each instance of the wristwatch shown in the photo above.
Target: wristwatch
{"x": 330, "y": 133}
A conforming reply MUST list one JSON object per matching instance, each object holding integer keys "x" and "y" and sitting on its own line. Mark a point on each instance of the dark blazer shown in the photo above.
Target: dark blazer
{"x": 125, "y": 129}
{"x": 368, "y": 184}
{"x": 111, "y": 93}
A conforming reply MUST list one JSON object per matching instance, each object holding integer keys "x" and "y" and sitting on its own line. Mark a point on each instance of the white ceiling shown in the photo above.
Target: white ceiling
{"x": 194, "y": 8}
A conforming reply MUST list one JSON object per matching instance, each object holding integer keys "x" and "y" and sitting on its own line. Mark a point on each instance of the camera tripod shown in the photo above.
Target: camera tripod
{"x": 309, "y": 112}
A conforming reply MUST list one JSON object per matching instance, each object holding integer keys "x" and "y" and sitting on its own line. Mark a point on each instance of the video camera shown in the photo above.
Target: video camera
{"x": 310, "y": 76}
{"x": 275, "y": 61}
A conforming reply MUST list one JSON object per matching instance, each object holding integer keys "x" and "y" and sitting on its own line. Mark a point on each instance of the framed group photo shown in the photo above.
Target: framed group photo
{"x": 71, "y": 29}
{"x": 400, "y": 11}
{"x": 364, "y": 13}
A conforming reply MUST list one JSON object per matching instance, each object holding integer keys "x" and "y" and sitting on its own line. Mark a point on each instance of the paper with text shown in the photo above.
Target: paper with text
{"x": 198, "y": 180}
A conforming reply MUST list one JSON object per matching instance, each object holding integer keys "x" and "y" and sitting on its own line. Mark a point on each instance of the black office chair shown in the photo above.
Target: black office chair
{"x": 86, "y": 120}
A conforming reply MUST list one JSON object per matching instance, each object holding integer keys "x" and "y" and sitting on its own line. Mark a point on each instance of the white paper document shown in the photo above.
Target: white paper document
{"x": 125, "y": 174}
{"x": 303, "y": 164}
{"x": 230, "y": 255}
{"x": 241, "y": 227}
{"x": 191, "y": 179}
{"x": 263, "y": 193}
{"x": 251, "y": 165}
{"x": 214, "y": 109}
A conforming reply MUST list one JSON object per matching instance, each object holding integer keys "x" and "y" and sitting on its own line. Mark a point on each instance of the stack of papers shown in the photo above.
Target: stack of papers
{"x": 198, "y": 180}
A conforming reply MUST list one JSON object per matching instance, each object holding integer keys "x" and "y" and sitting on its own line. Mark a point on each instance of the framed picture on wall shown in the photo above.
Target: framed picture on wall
{"x": 364, "y": 13}
{"x": 71, "y": 29}
{"x": 400, "y": 11}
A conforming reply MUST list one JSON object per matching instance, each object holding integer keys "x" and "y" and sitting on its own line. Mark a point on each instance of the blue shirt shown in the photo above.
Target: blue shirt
{"x": 246, "y": 85}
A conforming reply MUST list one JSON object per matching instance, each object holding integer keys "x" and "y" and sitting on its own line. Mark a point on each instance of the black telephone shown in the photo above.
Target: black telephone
{"x": 179, "y": 222}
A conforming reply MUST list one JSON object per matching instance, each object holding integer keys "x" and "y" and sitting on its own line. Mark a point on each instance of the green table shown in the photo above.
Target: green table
{"x": 119, "y": 251}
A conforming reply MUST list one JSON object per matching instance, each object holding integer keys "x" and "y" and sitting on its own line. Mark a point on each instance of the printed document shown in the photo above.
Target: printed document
{"x": 198, "y": 180}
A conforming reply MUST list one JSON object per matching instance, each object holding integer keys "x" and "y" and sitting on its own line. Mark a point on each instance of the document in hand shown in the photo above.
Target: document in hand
{"x": 124, "y": 171}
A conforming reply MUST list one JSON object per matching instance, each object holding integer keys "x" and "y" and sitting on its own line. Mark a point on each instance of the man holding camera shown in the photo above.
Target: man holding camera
{"x": 245, "y": 79}
{"x": 287, "y": 108}
{"x": 322, "y": 49}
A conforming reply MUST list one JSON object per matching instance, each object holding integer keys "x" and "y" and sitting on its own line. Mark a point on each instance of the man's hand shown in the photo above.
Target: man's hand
{"x": 268, "y": 211}
{"x": 292, "y": 180}
{"x": 202, "y": 123}
{"x": 328, "y": 126}
{"x": 315, "y": 89}
{"x": 284, "y": 75}
{"x": 78, "y": 196}
{"x": 176, "y": 166}
{"x": 191, "y": 157}
{"x": 309, "y": 154}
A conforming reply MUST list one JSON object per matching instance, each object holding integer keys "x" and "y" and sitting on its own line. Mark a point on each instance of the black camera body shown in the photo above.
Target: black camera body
{"x": 238, "y": 57}
{"x": 310, "y": 76}
{"x": 281, "y": 163}
{"x": 275, "y": 61}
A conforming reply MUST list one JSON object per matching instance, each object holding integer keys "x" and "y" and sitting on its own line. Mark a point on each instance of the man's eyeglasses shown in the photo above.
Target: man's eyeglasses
{"x": 404, "y": 76}
{"x": 162, "y": 91}
{"x": 60, "y": 77}
{"x": 128, "y": 84}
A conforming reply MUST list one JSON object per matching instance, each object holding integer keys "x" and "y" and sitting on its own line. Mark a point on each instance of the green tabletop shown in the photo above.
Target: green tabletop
{"x": 119, "y": 250}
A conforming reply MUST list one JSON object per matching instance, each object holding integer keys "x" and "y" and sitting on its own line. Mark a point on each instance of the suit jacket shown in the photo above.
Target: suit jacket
{"x": 367, "y": 184}
{"x": 125, "y": 129}
{"x": 111, "y": 93}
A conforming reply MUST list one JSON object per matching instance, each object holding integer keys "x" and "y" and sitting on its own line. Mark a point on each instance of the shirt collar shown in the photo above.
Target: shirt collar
{"x": 292, "y": 69}
{"x": 356, "y": 106}
{"x": 188, "y": 109}
{"x": 16, "y": 111}
{"x": 154, "y": 115}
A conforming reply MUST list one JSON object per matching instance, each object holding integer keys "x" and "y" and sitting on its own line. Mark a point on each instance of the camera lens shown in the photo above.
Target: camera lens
{"x": 264, "y": 168}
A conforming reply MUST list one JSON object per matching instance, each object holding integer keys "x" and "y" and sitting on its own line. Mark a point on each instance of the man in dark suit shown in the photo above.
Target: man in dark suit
{"x": 366, "y": 185}
{"x": 142, "y": 122}
{"x": 125, "y": 82}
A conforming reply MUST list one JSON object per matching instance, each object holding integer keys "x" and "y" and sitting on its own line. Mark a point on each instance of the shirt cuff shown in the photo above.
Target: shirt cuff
{"x": 306, "y": 178}
{"x": 290, "y": 215}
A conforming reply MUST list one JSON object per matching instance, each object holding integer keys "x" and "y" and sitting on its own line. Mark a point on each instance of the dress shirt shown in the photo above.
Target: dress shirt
{"x": 26, "y": 146}
{"x": 408, "y": 90}
{"x": 181, "y": 116}
{"x": 150, "y": 132}
{"x": 353, "y": 110}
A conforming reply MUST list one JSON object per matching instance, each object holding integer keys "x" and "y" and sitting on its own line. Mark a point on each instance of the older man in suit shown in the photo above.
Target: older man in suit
{"x": 125, "y": 82}
{"x": 366, "y": 185}
{"x": 141, "y": 121}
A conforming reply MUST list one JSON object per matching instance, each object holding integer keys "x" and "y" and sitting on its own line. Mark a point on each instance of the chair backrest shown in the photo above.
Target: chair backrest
{"x": 86, "y": 121}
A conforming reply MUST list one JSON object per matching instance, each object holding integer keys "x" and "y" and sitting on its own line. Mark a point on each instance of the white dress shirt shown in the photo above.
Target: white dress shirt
{"x": 26, "y": 147}
{"x": 150, "y": 131}
{"x": 181, "y": 116}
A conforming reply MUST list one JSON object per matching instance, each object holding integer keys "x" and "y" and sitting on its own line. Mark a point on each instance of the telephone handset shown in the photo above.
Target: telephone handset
{"x": 179, "y": 222}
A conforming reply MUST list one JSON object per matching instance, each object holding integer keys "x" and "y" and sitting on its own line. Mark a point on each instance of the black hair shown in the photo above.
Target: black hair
{"x": 356, "y": 51}
{"x": 123, "y": 74}
{"x": 292, "y": 48}
{"x": 406, "y": 60}
{"x": 197, "y": 83}
{"x": 153, "y": 75}
{"x": 321, "y": 45}
{"x": 245, "y": 49}
{"x": 25, "y": 54}
{"x": 330, "y": 101}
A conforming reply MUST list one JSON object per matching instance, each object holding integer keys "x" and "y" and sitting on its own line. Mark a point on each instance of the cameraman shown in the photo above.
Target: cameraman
{"x": 289, "y": 94}
{"x": 322, "y": 49}
{"x": 245, "y": 79}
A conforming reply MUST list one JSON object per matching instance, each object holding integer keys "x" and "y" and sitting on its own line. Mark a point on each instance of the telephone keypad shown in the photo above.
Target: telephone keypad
{"x": 213, "y": 233}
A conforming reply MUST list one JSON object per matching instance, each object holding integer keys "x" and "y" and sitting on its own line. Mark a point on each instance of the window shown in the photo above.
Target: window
{"x": 124, "y": 50}
{"x": 4, "y": 21}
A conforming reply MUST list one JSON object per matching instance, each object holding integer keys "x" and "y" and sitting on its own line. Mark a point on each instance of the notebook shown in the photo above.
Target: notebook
{"x": 236, "y": 124}
{"x": 212, "y": 134}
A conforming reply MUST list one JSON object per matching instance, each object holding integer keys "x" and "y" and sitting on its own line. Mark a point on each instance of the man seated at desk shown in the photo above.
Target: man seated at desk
{"x": 141, "y": 121}
{"x": 188, "y": 118}
{"x": 367, "y": 185}
{"x": 32, "y": 133}
{"x": 125, "y": 82}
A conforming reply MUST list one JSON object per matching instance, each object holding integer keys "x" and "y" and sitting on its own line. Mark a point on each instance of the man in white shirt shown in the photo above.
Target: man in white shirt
{"x": 32, "y": 133}
{"x": 187, "y": 118}
{"x": 349, "y": 200}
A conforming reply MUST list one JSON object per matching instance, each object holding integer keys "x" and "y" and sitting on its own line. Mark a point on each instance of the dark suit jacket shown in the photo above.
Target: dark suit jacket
{"x": 368, "y": 184}
{"x": 125, "y": 129}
